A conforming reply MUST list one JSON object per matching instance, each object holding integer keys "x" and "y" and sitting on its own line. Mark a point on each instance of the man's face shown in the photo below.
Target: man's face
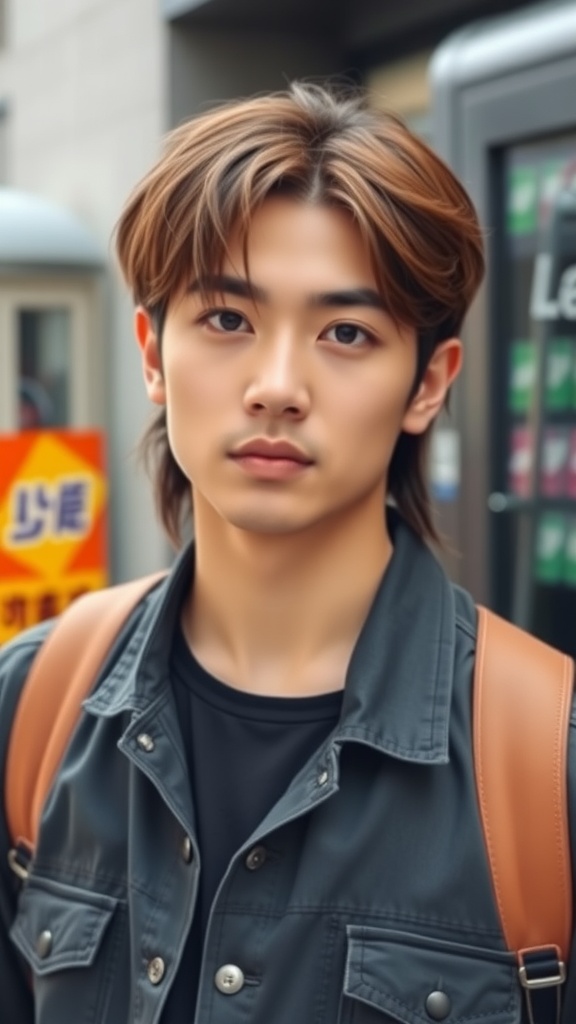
{"x": 284, "y": 407}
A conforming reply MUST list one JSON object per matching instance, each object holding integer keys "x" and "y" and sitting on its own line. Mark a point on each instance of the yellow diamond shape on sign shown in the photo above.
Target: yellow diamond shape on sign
{"x": 51, "y": 507}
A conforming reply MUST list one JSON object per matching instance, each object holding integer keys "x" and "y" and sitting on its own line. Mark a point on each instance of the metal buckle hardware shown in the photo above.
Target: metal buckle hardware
{"x": 19, "y": 859}
{"x": 539, "y": 1004}
{"x": 555, "y": 979}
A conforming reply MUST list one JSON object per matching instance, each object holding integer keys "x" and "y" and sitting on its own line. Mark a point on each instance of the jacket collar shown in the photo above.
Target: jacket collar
{"x": 136, "y": 673}
{"x": 399, "y": 682}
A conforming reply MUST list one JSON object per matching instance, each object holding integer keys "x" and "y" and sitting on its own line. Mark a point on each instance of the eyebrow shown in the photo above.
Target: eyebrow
{"x": 227, "y": 285}
{"x": 350, "y": 297}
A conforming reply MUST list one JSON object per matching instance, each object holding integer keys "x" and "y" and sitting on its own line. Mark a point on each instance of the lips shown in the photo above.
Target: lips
{"x": 261, "y": 448}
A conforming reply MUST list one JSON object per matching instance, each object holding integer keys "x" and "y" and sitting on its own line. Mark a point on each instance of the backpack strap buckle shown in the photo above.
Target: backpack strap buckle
{"x": 19, "y": 858}
{"x": 542, "y": 972}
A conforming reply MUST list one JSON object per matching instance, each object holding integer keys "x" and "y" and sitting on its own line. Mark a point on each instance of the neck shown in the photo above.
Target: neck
{"x": 280, "y": 615}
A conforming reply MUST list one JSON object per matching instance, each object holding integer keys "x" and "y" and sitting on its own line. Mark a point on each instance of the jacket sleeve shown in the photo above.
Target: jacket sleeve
{"x": 16, "y": 1002}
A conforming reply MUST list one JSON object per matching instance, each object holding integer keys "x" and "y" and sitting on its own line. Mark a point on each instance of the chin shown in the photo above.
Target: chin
{"x": 267, "y": 527}
{"x": 259, "y": 521}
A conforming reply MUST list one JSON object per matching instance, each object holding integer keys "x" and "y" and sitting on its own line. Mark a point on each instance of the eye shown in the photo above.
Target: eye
{"x": 349, "y": 335}
{"x": 227, "y": 321}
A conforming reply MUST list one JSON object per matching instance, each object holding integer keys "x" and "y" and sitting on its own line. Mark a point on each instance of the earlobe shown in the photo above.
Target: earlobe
{"x": 149, "y": 345}
{"x": 442, "y": 370}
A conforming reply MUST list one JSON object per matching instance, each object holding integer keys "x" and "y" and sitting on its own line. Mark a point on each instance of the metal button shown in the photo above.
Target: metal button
{"x": 156, "y": 970}
{"x": 323, "y": 778}
{"x": 186, "y": 849}
{"x": 145, "y": 742}
{"x": 44, "y": 944}
{"x": 438, "y": 1005}
{"x": 256, "y": 858}
{"x": 229, "y": 979}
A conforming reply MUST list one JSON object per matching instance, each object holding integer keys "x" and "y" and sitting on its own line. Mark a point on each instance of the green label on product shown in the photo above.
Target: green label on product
{"x": 522, "y": 212}
{"x": 550, "y": 546}
{"x": 559, "y": 384}
{"x": 522, "y": 376}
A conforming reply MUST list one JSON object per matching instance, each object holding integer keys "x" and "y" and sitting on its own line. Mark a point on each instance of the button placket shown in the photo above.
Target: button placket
{"x": 156, "y": 970}
{"x": 256, "y": 858}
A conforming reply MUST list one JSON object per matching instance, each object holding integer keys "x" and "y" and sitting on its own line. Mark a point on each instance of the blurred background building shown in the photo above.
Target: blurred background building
{"x": 88, "y": 88}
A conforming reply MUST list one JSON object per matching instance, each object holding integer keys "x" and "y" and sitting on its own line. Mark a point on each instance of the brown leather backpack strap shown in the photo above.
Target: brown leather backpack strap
{"x": 62, "y": 674}
{"x": 522, "y": 703}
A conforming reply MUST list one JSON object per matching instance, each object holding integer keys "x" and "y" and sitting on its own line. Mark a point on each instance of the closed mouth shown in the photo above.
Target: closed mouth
{"x": 272, "y": 451}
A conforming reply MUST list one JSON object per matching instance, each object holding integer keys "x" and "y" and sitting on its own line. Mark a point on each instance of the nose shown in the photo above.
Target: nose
{"x": 277, "y": 386}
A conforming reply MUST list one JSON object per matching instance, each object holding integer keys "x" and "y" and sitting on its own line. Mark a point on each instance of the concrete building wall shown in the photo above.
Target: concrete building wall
{"x": 208, "y": 64}
{"x": 82, "y": 82}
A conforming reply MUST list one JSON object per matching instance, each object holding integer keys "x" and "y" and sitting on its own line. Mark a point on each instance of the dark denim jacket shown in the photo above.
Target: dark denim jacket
{"x": 364, "y": 897}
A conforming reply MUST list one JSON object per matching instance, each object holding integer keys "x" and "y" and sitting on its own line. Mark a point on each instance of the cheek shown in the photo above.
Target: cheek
{"x": 185, "y": 407}
{"x": 199, "y": 401}
{"x": 191, "y": 389}
{"x": 369, "y": 416}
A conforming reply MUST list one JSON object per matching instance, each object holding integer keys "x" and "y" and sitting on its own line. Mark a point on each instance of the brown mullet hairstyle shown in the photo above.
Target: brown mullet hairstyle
{"x": 316, "y": 145}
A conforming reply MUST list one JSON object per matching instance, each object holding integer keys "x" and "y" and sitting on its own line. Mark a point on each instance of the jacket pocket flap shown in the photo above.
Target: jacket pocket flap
{"x": 418, "y": 980}
{"x": 58, "y": 926}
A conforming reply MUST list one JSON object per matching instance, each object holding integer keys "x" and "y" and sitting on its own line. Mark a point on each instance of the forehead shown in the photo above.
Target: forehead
{"x": 291, "y": 242}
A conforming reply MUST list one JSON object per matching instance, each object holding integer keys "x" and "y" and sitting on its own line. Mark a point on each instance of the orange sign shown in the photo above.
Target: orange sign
{"x": 52, "y": 523}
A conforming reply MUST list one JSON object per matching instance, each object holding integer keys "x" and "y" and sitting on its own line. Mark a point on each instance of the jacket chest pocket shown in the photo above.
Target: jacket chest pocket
{"x": 61, "y": 933}
{"x": 397, "y": 976}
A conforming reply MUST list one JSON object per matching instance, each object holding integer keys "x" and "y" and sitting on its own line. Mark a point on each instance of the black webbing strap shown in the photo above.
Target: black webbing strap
{"x": 542, "y": 974}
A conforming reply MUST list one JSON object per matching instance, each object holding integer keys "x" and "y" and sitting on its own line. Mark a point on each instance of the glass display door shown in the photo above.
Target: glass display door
{"x": 534, "y": 391}
{"x": 44, "y": 359}
{"x": 51, "y": 372}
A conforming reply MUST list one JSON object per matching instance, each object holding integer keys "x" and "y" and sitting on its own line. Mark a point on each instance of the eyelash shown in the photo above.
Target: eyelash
{"x": 369, "y": 337}
{"x": 210, "y": 313}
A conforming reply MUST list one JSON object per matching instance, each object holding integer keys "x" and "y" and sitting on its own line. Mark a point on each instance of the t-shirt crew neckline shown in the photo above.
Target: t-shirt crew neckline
{"x": 229, "y": 700}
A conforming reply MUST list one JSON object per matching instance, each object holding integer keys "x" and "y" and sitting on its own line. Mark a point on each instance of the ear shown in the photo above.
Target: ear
{"x": 442, "y": 370}
{"x": 148, "y": 341}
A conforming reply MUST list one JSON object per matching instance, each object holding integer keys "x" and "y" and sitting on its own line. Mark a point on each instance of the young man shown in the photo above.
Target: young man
{"x": 268, "y": 810}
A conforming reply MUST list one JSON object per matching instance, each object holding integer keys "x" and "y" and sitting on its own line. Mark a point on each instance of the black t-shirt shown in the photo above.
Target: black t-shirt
{"x": 243, "y": 751}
